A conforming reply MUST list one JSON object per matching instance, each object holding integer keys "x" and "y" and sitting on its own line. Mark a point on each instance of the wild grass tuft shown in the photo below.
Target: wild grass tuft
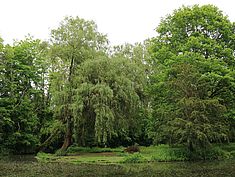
{"x": 164, "y": 153}
{"x": 134, "y": 158}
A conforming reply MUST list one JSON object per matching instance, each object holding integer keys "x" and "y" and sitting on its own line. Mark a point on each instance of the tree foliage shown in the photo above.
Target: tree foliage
{"x": 22, "y": 94}
{"x": 108, "y": 97}
{"x": 193, "y": 80}
{"x": 73, "y": 42}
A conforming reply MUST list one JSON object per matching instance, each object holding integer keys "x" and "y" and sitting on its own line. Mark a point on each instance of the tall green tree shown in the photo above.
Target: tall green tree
{"x": 22, "y": 93}
{"x": 73, "y": 42}
{"x": 193, "y": 77}
{"x": 204, "y": 30}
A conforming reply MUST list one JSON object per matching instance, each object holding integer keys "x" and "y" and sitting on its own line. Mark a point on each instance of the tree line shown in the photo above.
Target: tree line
{"x": 177, "y": 88}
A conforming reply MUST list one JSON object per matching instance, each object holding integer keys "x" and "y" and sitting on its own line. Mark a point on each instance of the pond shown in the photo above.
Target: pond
{"x": 26, "y": 166}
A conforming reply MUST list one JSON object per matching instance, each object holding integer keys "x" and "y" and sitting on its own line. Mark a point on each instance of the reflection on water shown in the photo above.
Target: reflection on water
{"x": 22, "y": 166}
{"x": 21, "y": 158}
{"x": 225, "y": 168}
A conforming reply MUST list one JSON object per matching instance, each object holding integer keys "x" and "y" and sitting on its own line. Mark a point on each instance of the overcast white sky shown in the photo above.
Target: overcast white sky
{"x": 122, "y": 20}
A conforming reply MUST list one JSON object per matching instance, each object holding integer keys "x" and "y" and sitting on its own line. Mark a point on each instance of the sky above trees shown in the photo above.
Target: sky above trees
{"x": 123, "y": 20}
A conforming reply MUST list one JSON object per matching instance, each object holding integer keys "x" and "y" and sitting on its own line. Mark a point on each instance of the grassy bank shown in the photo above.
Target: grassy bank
{"x": 161, "y": 153}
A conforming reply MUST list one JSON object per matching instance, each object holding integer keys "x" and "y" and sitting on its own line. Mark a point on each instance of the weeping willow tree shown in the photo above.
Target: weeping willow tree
{"x": 73, "y": 42}
{"x": 108, "y": 96}
{"x": 92, "y": 95}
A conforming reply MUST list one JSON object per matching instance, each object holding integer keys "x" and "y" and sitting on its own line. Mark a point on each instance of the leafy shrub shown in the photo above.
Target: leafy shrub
{"x": 228, "y": 147}
{"x": 217, "y": 153}
{"x": 167, "y": 153}
{"x": 164, "y": 153}
{"x": 132, "y": 149}
{"x": 4, "y": 151}
{"x": 134, "y": 158}
{"x": 213, "y": 153}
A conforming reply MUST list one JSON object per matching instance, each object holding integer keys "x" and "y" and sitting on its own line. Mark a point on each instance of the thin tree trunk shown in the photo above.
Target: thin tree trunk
{"x": 68, "y": 134}
{"x": 48, "y": 141}
{"x": 190, "y": 146}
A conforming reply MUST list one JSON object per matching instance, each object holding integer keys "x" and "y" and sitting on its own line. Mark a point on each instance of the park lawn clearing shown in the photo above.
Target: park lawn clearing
{"x": 160, "y": 153}
{"x": 82, "y": 157}
{"x": 99, "y": 157}
{"x": 79, "y": 155}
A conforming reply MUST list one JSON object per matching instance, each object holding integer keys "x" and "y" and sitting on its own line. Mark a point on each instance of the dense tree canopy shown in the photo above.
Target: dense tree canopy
{"x": 193, "y": 81}
{"x": 204, "y": 30}
{"x": 22, "y": 94}
{"x": 108, "y": 97}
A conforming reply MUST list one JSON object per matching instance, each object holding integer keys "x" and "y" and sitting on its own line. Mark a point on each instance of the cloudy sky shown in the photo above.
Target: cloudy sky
{"x": 122, "y": 20}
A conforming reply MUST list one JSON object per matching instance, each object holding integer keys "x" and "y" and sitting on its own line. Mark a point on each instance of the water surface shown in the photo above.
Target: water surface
{"x": 26, "y": 166}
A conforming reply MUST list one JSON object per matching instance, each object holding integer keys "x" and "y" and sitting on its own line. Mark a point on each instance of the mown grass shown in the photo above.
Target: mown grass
{"x": 84, "y": 157}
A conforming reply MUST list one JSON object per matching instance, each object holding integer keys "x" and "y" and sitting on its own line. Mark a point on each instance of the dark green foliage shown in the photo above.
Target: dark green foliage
{"x": 193, "y": 81}
{"x": 164, "y": 153}
{"x": 22, "y": 95}
{"x": 210, "y": 154}
{"x": 73, "y": 42}
{"x": 109, "y": 95}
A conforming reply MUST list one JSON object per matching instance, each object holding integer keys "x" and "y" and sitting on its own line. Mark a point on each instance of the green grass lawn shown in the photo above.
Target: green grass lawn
{"x": 82, "y": 157}
{"x": 161, "y": 153}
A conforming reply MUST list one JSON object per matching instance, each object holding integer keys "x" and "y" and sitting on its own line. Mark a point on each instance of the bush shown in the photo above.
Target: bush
{"x": 4, "y": 151}
{"x": 217, "y": 153}
{"x": 164, "y": 153}
{"x": 167, "y": 153}
{"x": 227, "y": 147}
{"x": 213, "y": 153}
{"x": 132, "y": 149}
{"x": 134, "y": 158}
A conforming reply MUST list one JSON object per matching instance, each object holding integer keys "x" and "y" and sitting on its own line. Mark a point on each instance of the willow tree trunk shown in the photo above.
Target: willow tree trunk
{"x": 68, "y": 134}
{"x": 68, "y": 112}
